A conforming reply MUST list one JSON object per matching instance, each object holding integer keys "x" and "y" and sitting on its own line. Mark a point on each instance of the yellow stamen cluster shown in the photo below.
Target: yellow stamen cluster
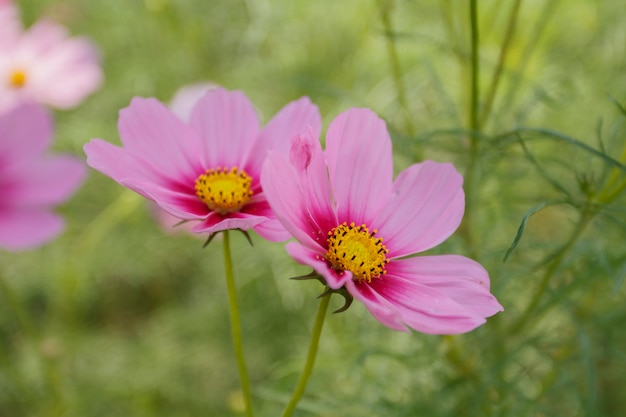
{"x": 224, "y": 190}
{"x": 17, "y": 79}
{"x": 354, "y": 248}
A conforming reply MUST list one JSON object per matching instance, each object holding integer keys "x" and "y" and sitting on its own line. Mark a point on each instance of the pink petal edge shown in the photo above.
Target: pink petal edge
{"x": 427, "y": 206}
{"x": 360, "y": 165}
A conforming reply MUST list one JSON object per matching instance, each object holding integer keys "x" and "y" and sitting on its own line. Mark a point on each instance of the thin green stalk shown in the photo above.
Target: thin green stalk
{"x": 495, "y": 81}
{"x": 310, "y": 358}
{"x": 34, "y": 338}
{"x": 235, "y": 326}
{"x": 385, "y": 15}
{"x": 475, "y": 70}
{"x": 535, "y": 35}
{"x": 553, "y": 266}
{"x": 472, "y": 166}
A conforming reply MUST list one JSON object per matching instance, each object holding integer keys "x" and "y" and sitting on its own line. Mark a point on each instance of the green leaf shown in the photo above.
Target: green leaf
{"x": 522, "y": 226}
{"x": 575, "y": 142}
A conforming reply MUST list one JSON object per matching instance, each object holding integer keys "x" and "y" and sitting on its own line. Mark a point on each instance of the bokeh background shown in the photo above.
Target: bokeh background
{"x": 131, "y": 319}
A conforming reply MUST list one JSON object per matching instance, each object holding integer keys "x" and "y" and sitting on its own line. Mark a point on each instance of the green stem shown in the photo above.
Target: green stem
{"x": 553, "y": 266}
{"x": 396, "y": 71}
{"x": 472, "y": 166}
{"x": 475, "y": 69}
{"x": 534, "y": 37}
{"x": 235, "y": 326}
{"x": 609, "y": 192}
{"x": 495, "y": 81}
{"x": 310, "y": 359}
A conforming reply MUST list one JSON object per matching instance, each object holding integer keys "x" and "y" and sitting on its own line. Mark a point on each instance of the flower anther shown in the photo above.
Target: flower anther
{"x": 354, "y": 248}
{"x": 224, "y": 190}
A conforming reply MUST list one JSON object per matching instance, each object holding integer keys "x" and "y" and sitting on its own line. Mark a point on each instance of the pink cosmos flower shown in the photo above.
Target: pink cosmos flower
{"x": 44, "y": 64}
{"x": 356, "y": 226}
{"x": 208, "y": 169}
{"x": 31, "y": 182}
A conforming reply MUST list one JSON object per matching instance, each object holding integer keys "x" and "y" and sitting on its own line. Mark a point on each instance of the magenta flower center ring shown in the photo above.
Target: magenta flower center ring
{"x": 224, "y": 190}
{"x": 355, "y": 249}
{"x": 17, "y": 79}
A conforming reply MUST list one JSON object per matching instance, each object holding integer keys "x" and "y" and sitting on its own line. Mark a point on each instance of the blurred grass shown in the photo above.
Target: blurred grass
{"x": 134, "y": 322}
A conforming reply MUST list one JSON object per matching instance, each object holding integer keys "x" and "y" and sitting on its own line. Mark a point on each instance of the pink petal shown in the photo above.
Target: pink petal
{"x": 50, "y": 182}
{"x": 460, "y": 278}
{"x": 430, "y": 296}
{"x": 358, "y": 149}
{"x": 416, "y": 306}
{"x": 10, "y": 23}
{"x": 426, "y": 208}
{"x": 285, "y": 196}
{"x": 43, "y": 36}
{"x": 186, "y": 98}
{"x": 64, "y": 76}
{"x": 272, "y": 230}
{"x": 150, "y": 130}
{"x": 382, "y": 309}
{"x": 307, "y": 158}
{"x": 26, "y": 229}
{"x": 140, "y": 176}
{"x": 314, "y": 259}
{"x": 216, "y": 223}
{"x": 120, "y": 164}
{"x": 26, "y": 131}
{"x": 297, "y": 117}
{"x": 228, "y": 127}
{"x": 181, "y": 204}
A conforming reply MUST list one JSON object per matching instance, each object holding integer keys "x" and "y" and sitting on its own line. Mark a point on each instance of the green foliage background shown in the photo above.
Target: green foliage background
{"x": 131, "y": 320}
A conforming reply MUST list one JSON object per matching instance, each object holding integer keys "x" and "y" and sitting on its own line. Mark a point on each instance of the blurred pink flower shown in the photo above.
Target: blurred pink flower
{"x": 208, "y": 169}
{"x": 44, "y": 64}
{"x": 31, "y": 182}
{"x": 356, "y": 226}
{"x": 10, "y": 24}
{"x": 186, "y": 98}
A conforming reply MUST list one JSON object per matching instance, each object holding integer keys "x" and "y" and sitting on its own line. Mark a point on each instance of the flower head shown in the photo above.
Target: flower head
{"x": 356, "y": 226}
{"x": 44, "y": 64}
{"x": 32, "y": 182}
{"x": 206, "y": 170}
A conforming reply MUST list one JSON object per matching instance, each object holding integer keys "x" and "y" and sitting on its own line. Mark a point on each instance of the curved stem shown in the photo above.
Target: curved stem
{"x": 235, "y": 326}
{"x": 310, "y": 359}
{"x": 552, "y": 267}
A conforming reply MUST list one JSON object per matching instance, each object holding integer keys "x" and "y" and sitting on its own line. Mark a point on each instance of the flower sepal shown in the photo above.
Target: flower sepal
{"x": 348, "y": 298}
{"x": 212, "y": 236}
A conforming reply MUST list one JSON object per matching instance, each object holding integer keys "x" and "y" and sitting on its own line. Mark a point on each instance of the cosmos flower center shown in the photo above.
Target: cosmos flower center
{"x": 224, "y": 190}
{"x": 17, "y": 79}
{"x": 355, "y": 249}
